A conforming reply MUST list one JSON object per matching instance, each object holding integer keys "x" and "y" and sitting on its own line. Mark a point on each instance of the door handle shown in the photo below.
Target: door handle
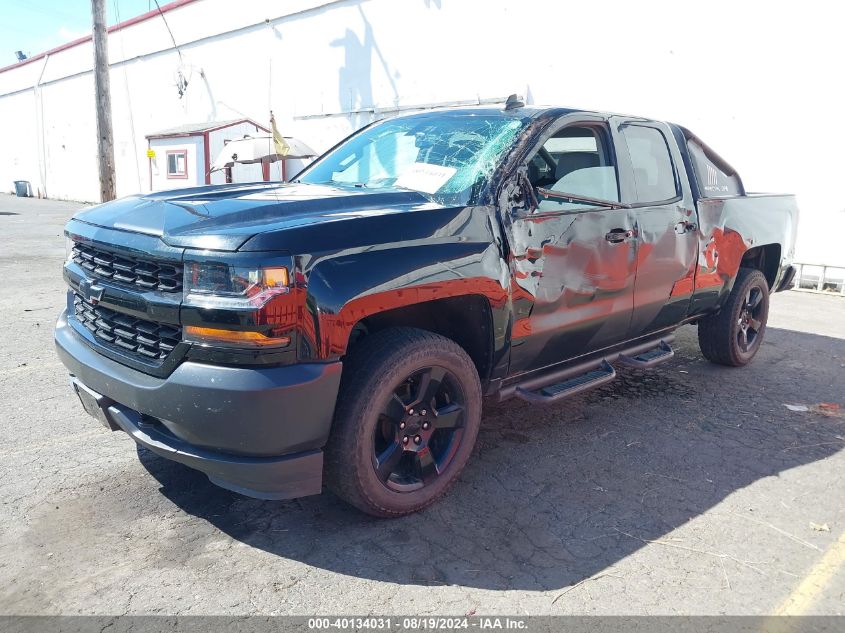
{"x": 685, "y": 227}
{"x": 533, "y": 254}
{"x": 618, "y": 235}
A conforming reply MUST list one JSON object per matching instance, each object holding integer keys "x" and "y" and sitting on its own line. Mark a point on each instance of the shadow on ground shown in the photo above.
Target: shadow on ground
{"x": 556, "y": 495}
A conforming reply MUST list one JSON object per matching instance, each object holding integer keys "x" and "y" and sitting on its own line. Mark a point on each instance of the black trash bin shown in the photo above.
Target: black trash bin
{"x": 22, "y": 189}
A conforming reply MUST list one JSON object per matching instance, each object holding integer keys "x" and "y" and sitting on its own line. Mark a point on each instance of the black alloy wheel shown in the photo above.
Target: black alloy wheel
{"x": 419, "y": 430}
{"x": 750, "y": 321}
{"x": 733, "y": 335}
{"x": 407, "y": 417}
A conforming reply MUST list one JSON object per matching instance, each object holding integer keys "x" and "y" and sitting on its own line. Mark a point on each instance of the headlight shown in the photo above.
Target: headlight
{"x": 247, "y": 299}
{"x": 220, "y": 285}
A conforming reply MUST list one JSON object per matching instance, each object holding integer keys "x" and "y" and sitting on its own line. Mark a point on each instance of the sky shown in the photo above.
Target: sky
{"x": 34, "y": 26}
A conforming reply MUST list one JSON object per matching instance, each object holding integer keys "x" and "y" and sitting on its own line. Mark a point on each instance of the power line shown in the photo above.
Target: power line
{"x": 129, "y": 101}
{"x": 173, "y": 39}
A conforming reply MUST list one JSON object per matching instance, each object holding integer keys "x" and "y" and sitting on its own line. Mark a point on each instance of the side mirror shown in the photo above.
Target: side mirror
{"x": 528, "y": 192}
{"x": 520, "y": 195}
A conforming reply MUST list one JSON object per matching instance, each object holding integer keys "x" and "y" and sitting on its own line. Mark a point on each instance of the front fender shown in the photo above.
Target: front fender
{"x": 344, "y": 289}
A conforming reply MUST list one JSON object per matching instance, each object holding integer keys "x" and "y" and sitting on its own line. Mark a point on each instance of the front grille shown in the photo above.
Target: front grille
{"x": 144, "y": 339}
{"x": 146, "y": 274}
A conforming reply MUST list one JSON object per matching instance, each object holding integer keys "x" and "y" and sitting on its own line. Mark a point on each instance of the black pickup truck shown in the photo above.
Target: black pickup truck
{"x": 343, "y": 328}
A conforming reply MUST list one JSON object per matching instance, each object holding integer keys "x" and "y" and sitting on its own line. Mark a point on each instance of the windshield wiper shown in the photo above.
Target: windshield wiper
{"x": 568, "y": 197}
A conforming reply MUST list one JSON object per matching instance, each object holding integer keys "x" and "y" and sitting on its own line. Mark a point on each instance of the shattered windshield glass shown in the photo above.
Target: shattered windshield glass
{"x": 446, "y": 156}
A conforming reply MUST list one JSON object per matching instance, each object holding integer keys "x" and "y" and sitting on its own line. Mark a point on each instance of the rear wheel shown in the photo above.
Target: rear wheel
{"x": 733, "y": 335}
{"x": 407, "y": 418}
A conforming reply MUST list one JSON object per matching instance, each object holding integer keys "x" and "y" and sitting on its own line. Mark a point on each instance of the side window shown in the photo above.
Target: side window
{"x": 654, "y": 173}
{"x": 576, "y": 161}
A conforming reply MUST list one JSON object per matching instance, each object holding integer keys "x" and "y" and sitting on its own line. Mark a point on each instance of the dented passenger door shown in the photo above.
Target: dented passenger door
{"x": 572, "y": 247}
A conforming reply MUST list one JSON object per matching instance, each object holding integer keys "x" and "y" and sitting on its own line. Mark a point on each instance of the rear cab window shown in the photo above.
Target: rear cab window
{"x": 715, "y": 178}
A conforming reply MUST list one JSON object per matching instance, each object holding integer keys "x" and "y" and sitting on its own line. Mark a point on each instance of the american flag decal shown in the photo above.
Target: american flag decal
{"x": 712, "y": 176}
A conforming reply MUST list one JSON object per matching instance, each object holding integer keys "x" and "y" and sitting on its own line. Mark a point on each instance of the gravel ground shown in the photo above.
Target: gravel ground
{"x": 688, "y": 489}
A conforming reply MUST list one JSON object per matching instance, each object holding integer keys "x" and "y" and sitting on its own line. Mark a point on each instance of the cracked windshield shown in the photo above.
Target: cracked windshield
{"x": 445, "y": 157}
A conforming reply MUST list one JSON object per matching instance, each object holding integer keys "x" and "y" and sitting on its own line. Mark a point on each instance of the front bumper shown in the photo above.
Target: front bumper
{"x": 259, "y": 431}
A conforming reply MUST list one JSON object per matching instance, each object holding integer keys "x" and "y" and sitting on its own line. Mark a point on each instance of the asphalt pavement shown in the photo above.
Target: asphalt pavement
{"x": 686, "y": 489}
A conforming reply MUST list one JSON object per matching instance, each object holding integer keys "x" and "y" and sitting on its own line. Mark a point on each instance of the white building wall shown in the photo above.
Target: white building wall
{"x": 746, "y": 76}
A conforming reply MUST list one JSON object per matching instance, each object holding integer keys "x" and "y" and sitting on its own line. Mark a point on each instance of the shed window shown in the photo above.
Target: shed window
{"x": 177, "y": 164}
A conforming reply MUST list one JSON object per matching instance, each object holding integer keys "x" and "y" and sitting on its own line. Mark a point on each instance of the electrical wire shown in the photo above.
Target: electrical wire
{"x": 129, "y": 101}
{"x": 173, "y": 39}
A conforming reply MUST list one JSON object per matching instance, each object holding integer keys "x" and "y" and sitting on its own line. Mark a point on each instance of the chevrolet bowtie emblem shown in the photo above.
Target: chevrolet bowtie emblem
{"x": 90, "y": 291}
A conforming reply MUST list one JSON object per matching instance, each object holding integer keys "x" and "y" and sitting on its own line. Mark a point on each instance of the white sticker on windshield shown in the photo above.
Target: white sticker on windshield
{"x": 425, "y": 177}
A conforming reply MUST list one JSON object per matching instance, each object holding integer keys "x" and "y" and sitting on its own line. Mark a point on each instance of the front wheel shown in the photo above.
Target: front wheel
{"x": 733, "y": 335}
{"x": 408, "y": 414}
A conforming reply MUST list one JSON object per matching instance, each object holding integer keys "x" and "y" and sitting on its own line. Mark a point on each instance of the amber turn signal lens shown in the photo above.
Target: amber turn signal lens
{"x": 233, "y": 338}
{"x": 275, "y": 277}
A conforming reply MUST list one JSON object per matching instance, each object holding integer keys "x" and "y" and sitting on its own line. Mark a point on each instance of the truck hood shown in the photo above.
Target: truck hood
{"x": 225, "y": 217}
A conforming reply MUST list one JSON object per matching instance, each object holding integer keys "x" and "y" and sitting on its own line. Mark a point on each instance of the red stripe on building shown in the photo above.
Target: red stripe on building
{"x": 117, "y": 27}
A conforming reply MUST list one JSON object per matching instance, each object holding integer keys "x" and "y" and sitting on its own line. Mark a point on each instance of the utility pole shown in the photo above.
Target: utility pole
{"x": 105, "y": 141}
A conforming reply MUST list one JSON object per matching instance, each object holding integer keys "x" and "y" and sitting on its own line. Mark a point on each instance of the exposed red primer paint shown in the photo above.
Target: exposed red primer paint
{"x": 722, "y": 257}
{"x": 334, "y": 329}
